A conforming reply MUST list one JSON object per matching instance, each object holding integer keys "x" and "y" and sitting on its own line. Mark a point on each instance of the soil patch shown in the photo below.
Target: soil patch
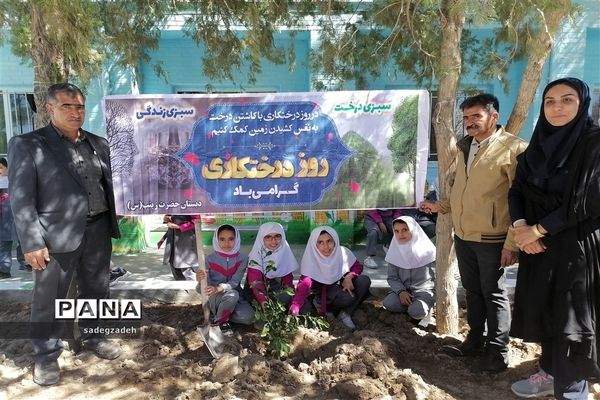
{"x": 388, "y": 357}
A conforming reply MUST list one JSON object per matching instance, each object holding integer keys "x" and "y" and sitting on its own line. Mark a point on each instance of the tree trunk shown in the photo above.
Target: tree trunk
{"x": 443, "y": 124}
{"x": 45, "y": 59}
{"x": 540, "y": 46}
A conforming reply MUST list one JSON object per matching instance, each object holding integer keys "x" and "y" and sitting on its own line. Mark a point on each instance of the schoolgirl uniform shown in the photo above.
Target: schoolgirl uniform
{"x": 270, "y": 268}
{"x": 180, "y": 249}
{"x": 226, "y": 269}
{"x": 411, "y": 269}
{"x": 323, "y": 276}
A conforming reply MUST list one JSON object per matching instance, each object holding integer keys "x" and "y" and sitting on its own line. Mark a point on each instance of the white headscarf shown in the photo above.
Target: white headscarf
{"x": 283, "y": 259}
{"x": 323, "y": 269}
{"x": 417, "y": 252}
{"x": 236, "y": 246}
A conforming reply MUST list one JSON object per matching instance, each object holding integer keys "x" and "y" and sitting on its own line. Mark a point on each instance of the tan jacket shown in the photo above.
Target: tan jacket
{"x": 479, "y": 202}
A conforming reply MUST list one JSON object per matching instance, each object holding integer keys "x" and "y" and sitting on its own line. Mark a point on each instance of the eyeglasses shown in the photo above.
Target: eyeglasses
{"x": 273, "y": 237}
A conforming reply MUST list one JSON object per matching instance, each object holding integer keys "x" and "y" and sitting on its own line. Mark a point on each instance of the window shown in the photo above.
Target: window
{"x": 16, "y": 117}
{"x": 458, "y": 124}
{"x": 595, "y": 105}
{"x": 223, "y": 91}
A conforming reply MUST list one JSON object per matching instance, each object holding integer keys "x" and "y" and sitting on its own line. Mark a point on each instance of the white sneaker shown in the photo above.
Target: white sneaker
{"x": 346, "y": 320}
{"x": 370, "y": 262}
{"x": 537, "y": 385}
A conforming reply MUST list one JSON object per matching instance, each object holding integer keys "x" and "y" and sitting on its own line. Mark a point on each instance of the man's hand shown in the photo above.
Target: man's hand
{"x": 508, "y": 258}
{"x": 38, "y": 259}
{"x": 429, "y": 206}
{"x": 172, "y": 225}
{"x": 405, "y": 298}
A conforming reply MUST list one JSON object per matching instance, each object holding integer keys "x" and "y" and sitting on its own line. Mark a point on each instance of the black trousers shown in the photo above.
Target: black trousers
{"x": 91, "y": 261}
{"x": 487, "y": 299}
{"x": 569, "y": 381}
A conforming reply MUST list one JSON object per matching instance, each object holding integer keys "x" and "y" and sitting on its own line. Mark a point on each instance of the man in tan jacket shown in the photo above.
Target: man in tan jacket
{"x": 486, "y": 164}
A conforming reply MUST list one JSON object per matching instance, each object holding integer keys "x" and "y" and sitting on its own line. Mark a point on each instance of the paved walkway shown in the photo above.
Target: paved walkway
{"x": 149, "y": 278}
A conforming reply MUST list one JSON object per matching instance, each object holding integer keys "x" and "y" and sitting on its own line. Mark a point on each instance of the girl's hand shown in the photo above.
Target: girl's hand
{"x": 200, "y": 274}
{"x": 405, "y": 298}
{"x": 172, "y": 225}
{"x": 347, "y": 284}
{"x": 383, "y": 228}
{"x": 210, "y": 290}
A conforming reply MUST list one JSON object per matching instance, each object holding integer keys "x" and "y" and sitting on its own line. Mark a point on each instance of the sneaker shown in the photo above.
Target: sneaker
{"x": 346, "y": 320}
{"x": 370, "y": 262}
{"x": 116, "y": 274}
{"x": 385, "y": 249}
{"x": 46, "y": 373}
{"x": 226, "y": 329}
{"x": 537, "y": 385}
{"x": 5, "y": 275}
{"x": 25, "y": 267}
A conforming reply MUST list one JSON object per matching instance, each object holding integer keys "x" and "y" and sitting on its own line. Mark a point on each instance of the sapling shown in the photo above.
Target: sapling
{"x": 278, "y": 326}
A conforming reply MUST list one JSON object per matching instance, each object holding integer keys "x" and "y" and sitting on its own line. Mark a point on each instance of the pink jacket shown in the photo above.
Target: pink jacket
{"x": 305, "y": 285}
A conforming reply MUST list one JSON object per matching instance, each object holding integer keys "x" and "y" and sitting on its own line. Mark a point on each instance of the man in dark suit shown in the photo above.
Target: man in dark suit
{"x": 64, "y": 212}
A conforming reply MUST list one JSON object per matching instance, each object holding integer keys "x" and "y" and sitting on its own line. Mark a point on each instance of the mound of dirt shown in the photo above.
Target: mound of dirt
{"x": 388, "y": 357}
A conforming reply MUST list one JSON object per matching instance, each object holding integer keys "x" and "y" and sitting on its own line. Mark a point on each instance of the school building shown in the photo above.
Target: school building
{"x": 576, "y": 53}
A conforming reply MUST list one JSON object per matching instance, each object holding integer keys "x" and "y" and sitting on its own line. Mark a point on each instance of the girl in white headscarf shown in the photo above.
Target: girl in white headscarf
{"x": 226, "y": 267}
{"x": 334, "y": 274}
{"x": 271, "y": 264}
{"x": 411, "y": 260}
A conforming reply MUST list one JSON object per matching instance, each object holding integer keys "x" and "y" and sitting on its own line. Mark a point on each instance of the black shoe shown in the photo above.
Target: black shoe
{"x": 5, "y": 275}
{"x": 467, "y": 348}
{"x": 116, "y": 274}
{"x": 46, "y": 373}
{"x": 103, "y": 348}
{"x": 492, "y": 362}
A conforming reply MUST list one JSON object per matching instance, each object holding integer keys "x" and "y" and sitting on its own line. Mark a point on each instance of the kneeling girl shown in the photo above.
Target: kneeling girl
{"x": 333, "y": 273}
{"x": 226, "y": 267}
{"x": 411, "y": 259}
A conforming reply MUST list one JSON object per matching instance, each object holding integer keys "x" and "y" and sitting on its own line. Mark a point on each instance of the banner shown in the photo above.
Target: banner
{"x": 191, "y": 154}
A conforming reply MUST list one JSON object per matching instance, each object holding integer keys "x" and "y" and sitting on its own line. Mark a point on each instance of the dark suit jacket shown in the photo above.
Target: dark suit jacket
{"x": 48, "y": 197}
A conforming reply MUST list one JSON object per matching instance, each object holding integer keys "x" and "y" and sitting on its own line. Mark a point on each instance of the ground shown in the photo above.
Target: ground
{"x": 388, "y": 357}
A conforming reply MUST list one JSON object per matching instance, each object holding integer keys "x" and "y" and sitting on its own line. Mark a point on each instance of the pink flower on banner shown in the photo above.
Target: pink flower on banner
{"x": 227, "y": 156}
{"x": 208, "y": 219}
{"x": 192, "y": 158}
{"x": 188, "y": 193}
{"x": 330, "y": 137}
{"x": 353, "y": 186}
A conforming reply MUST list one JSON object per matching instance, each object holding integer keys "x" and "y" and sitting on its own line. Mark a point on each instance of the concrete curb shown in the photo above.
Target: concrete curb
{"x": 176, "y": 291}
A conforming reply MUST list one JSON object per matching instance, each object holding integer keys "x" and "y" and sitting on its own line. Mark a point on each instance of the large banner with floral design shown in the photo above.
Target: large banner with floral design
{"x": 190, "y": 154}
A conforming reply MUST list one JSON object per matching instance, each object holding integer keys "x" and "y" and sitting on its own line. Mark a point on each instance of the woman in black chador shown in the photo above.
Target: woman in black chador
{"x": 555, "y": 208}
